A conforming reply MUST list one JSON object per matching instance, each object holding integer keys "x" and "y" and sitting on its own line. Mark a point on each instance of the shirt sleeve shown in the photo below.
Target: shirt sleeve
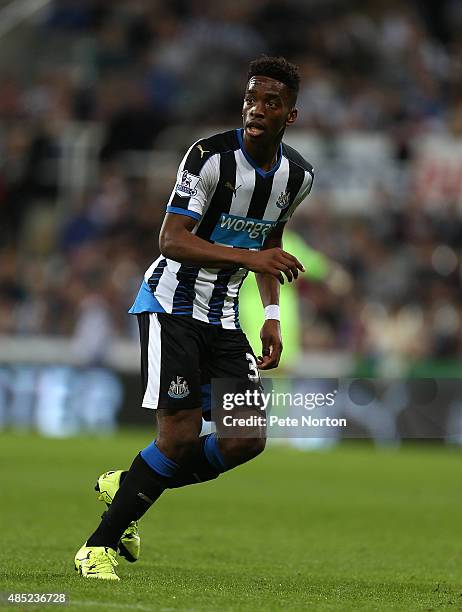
{"x": 301, "y": 195}
{"x": 196, "y": 181}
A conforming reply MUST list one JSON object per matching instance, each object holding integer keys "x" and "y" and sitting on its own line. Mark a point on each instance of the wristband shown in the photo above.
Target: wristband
{"x": 273, "y": 312}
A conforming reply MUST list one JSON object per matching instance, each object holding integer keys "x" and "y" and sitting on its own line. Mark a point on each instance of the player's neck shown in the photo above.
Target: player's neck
{"x": 264, "y": 155}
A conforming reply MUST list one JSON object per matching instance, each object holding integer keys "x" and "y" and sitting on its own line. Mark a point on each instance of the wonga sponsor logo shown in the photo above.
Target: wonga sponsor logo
{"x": 241, "y": 231}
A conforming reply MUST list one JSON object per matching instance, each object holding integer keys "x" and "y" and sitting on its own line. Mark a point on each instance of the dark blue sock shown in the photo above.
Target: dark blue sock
{"x": 159, "y": 462}
{"x": 213, "y": 453}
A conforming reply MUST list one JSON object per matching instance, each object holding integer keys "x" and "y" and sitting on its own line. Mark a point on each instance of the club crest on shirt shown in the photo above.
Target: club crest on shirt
{"x": 178, "y": 388}
{"x": 186, "y": 187}
{"x": 283, "y": 200}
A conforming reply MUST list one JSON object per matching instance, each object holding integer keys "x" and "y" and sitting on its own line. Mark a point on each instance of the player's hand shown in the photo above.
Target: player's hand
{"x": 271, "y": 342}
{"x": 275, "y": 262}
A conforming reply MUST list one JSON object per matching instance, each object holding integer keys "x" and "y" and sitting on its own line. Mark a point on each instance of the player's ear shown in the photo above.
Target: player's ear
{"x": 292, "y": 116}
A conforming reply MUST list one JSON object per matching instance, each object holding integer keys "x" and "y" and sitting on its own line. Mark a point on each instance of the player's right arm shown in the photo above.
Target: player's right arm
{"x": 177, "y": 242}
{"x": 197, "y": 180}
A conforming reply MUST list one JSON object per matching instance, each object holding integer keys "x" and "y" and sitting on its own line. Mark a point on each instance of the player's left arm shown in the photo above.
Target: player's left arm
{"x": 270, "y": 334}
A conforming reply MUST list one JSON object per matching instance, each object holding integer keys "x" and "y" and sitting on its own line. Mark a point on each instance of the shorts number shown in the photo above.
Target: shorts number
{"x": 254, "y": 374}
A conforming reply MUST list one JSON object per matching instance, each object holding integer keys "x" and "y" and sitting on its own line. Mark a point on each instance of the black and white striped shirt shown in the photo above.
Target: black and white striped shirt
{"x": 236, "y": 204}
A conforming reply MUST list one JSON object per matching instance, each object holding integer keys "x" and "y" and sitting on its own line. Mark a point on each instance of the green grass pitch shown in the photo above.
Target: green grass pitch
{"x": 350, "y": 529}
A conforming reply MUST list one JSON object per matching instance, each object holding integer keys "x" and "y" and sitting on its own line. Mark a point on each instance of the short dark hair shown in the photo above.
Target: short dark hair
{"x": 277, "y": 68}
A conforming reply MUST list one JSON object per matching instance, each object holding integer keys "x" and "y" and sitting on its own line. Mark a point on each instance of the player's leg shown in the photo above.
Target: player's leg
{"x": 107, "y": 486}
{"x": 150, "y": 473}
{"x": 230, "y": 356}
{"x": 178, "y": 457}
{"x": 235, "y": 360}
{"x": 170, "y": 349}
{"x": 222, "y": 353}
{"x": 237, "y": 451}
{"x": 172, "y": 384}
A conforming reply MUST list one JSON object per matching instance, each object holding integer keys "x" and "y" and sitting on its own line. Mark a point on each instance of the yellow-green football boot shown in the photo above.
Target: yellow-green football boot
{"x": 96, "y": 562}
{"x": 107, "y": 486}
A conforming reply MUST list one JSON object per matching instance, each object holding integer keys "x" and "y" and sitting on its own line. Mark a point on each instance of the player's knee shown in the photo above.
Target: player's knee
{"x": 249, "y": 448}
{"x": 178, "y": 434}
{"x": 243, "y": 449}
{"x": 257, "y": 447}
{"x": 179, "y": 448}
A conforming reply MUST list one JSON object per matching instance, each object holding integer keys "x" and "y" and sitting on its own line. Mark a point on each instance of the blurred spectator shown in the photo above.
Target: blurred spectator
{"x": 118, "y": 80}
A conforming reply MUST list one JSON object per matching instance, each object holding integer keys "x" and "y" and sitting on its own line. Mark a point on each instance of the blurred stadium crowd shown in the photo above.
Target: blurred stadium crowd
{"x": 145, "y": 74}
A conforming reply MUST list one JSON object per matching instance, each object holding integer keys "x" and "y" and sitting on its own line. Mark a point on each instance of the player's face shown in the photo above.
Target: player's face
{"x": 268, "y": 109}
